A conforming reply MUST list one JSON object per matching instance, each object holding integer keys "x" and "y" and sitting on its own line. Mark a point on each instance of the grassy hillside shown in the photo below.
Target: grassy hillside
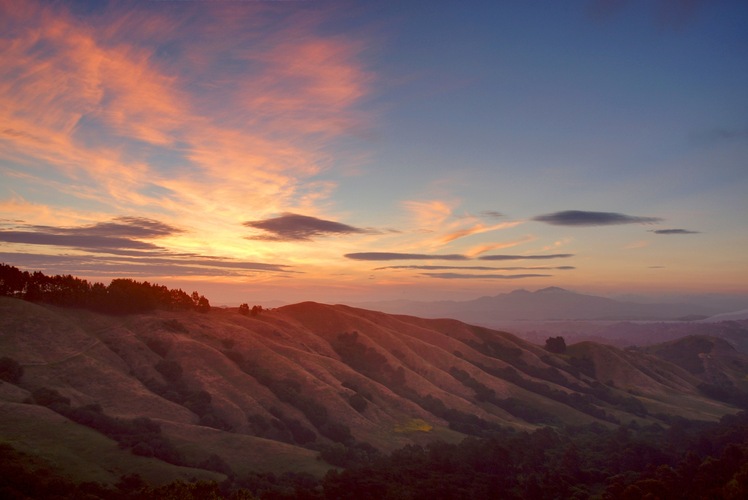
{"x": 223, "y": 393}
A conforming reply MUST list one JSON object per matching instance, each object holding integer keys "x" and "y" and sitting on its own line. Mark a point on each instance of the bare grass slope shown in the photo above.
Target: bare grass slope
{"x": 300, "y": 388}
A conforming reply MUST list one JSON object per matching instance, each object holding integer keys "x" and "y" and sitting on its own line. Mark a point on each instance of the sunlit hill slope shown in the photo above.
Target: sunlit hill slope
{"x": 227, "y": 393}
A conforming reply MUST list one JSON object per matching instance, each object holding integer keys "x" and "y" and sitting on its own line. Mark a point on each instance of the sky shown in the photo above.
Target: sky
{"x": 347, "y": 151}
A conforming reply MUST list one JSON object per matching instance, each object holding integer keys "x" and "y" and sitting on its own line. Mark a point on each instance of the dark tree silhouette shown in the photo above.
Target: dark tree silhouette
{"x": 556, "y": 345}
{"x": 203, "y": 305}
{"x": 122, "y": 296}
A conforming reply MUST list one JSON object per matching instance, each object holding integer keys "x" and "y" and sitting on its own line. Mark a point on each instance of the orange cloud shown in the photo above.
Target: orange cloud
{"x": 557, "y": 244}
{"x": 96, "y": 101}
{"x": 637, "y": 244}
{"x": 309, "y": 86}
{"x": 477, "y": 250}
{"x": 437, "y": 217}
{"x": 477, "y": 229}
{"x": 430, "y": 214}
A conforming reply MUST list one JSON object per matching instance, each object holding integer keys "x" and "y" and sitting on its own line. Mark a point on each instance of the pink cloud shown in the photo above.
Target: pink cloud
{"x": 480, "y": 249}
{"x": 477, "y": 228}
{"x": 251, "y": 113}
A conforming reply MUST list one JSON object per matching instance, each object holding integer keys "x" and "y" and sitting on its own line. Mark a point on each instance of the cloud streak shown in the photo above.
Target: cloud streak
{"x": 674, "y": 231}
{"x": 133, "y": 227}
{"x": 73, "y": 240}
{"x": 462, "y": 276}
{"x": 528, "y": 257}
{"x": 475, "y": 229}
{"x": 379, "y": 256}
{"x": 585, "y": 218}
{"x": 477, "y": 268}
{"x": 177, "y": 266}
{"x": 383, "y": 256}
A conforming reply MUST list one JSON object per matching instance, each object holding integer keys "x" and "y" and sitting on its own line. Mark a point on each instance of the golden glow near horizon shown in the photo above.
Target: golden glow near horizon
{"x": 304, "y": 151}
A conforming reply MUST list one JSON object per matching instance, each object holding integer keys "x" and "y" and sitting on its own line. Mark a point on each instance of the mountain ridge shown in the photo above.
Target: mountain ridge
{"x": 311, "y": 380}
{"x": 550, "y": 303}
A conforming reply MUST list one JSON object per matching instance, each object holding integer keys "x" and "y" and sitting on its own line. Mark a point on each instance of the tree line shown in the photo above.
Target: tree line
{"x": 121, "y": 296}
{"x": 687, "y": 460}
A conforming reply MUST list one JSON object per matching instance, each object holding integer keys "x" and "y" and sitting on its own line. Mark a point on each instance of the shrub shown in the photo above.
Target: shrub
{"x": 49, "y": 397}
{"x": 10, "y": 370}
{"x": 358, "y": 402}
{"x": 340, "y": 433}
{"x": 301, "y": 434}
{"x": 160, "y": 347}
{"x": 216, "y": 464}
{"x": 170, "y": 370}
{"x": 174, "y": 326}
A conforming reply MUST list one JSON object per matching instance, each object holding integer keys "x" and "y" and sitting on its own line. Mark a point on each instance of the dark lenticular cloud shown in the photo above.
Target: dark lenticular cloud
{"x": 124, "y": 227}
{"x": 532, "y": 257}
{"x": 401, "y": 256}
{"x": 120, "y": 233}
{"x": 584, "y": 218}
{"x": 295, "y": 227}
{"x": 491, "y": 214}
{"x": 73, "y": 240}
{"x": 674, "y": 231}
{"x": 455, "y": 276}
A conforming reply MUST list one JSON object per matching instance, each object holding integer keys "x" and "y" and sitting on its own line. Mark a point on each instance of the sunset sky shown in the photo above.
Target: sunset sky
{"x": 343, "y": 151}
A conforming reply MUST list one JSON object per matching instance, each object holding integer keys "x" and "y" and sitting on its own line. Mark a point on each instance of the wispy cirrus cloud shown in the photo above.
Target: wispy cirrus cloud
{"x": 129, "y": 107}
{"x": 430, "y": 214}
{"x": 486, "y": 247}
{"x": 528, "y": 257}
{"x": 587, "y": 218}
{"x": 475, "y": 229}
{"x": 296, "y": 227}
{"x": 438, "y": 217}
{"x": 674, "y": 231}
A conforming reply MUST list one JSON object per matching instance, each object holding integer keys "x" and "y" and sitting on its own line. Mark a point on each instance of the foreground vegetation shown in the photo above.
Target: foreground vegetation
{"x": 686, "y": 460}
